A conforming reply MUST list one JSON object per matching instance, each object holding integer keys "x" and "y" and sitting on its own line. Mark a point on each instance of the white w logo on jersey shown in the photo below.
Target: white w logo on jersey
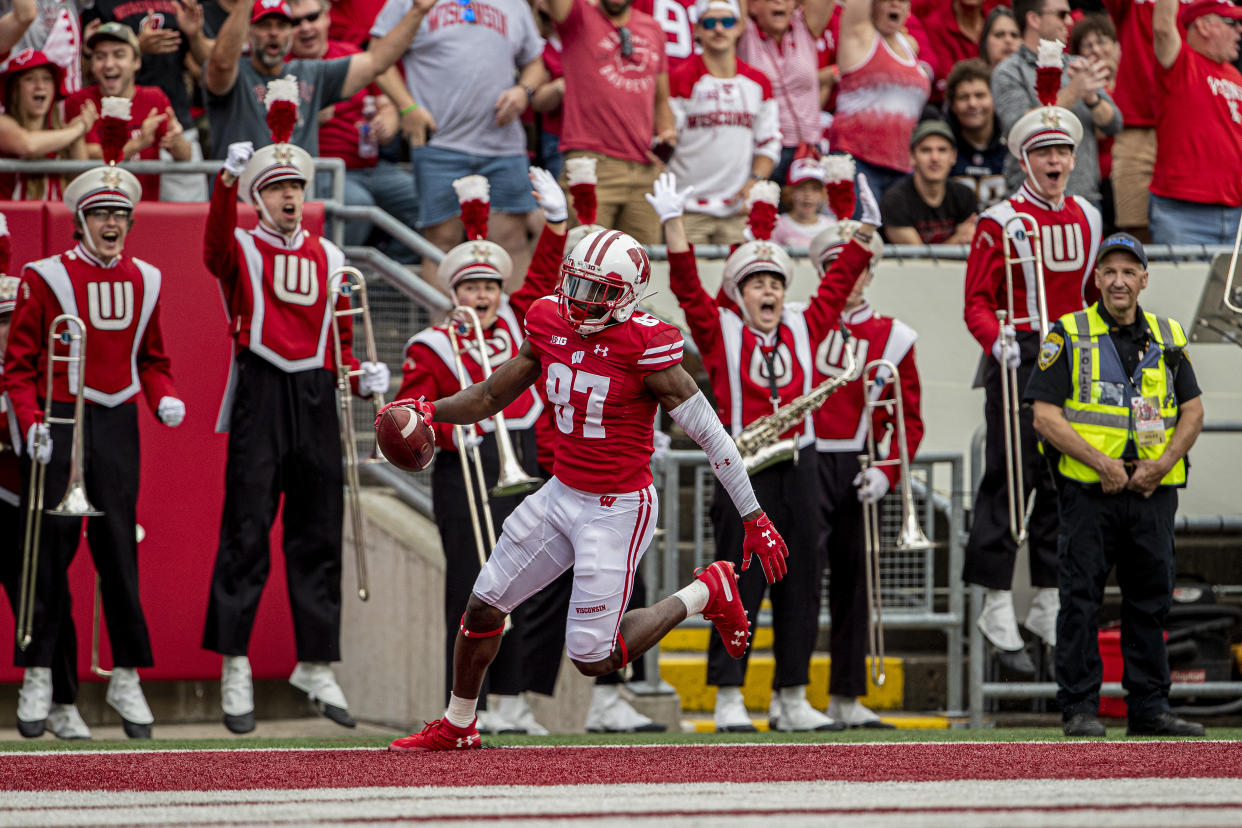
{"x": 1063, "y": 246}
{"x": 830, "y": 355}
{"x": 110, "y": 305}
{"x": 295, "y": 279}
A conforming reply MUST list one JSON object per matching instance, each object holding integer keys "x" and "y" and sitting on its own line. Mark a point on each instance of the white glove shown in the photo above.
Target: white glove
{"x": 4, "y": 225}
{"x": 664, "y": 198}
{"x": 40, "y": 433}
{"x": 239, "y": 154}
{"x": 1010, "y": 355}
{"x": 374, "y": 380}
{"x": 549, "y": 195}
{"x": 870, "y": 207}
{"x": 872, "y": 485}
{"x": 660, "y": 444}
{"x": 171, "y": 411}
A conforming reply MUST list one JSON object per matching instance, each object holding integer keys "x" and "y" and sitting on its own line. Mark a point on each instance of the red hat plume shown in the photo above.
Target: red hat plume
{"x": 282, "y": 108}
{"x": 113, "y": 127}
{"x": 839, "y": 171}
{"x": 475, "y": 196}
{"x": 580, "y": 173}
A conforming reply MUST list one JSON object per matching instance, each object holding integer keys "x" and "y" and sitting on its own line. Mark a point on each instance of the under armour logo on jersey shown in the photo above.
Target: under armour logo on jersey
{"x": 295, "y": 279}
{"x": 110, "y": 305}
{"x": 577, "y": 357}
{"x": 607, "y": 500}
{"x": 601, "y": 350}
{"x": 768, "y": 535}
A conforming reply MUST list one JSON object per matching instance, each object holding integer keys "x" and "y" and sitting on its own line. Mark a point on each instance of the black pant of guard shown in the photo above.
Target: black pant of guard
{"x": 512, "y": 671}
{"x": 788, "y": 493}
{"x": 1135, "y": 534}
{"x": 284, "y": 438}
{"x": 844, "y": 546}
{"x": 111, "y": 452}
{"x": 991, "y": 550}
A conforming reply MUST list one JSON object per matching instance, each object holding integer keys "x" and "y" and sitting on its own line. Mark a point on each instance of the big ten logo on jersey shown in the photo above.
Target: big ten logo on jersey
{"x": 110, "y": 305}
{"x": 773, "y": 366}
{"x": 562, "y": 383}
{"x": 499, "y": 347}
{"x": 295, "y": 279}
{"x": 830, "y": 355}
{"x": 676, "y": 18}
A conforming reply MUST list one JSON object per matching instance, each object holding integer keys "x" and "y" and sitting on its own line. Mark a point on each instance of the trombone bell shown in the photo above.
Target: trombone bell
{"x": 75, "y": 503}
{"x": 912, "y": 538}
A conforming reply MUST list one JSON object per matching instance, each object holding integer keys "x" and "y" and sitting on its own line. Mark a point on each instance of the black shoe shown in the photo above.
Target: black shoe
{"x": 1166, "y": 724}
{"x": 1017, "y": 662}
{"x": 340, "y": 715}
{"x": 875, "y": 724}
{"x": 243, "y": 723}
{"x": 1083, "y": 724}
{"x": 738, "y": 728}
{"x": 136, "y": 731}
{"x": 32, "y": 730}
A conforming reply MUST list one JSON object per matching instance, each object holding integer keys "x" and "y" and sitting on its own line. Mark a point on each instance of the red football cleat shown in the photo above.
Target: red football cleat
{"x": 440, "y": 735}
{"x": 724, "y": 606}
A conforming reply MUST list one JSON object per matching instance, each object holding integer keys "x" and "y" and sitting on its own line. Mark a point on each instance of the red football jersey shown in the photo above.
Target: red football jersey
{"x": 124, "y": 345}
{"x": 742, "y": 364}
{"x": 1069, "y": 238}
{"x": 840, "y": 423}
{"x": 430, "y": 370}
{"x": 601, "y": 406}
{"x": 676, "y": 18}
{"x": 276, "y": 291}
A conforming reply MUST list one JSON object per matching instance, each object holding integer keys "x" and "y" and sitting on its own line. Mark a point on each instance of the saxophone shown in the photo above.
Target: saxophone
{"x": 760, "y": 444}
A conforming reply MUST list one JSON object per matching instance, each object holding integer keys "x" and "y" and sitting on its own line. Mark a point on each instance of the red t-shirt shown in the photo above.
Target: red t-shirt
{"x": 352, "y": 19}
{"x": 145, "y": 99}
{"x": 552, "y": 121}
{"x": 609, "y": 98}
{"x": 948, "y": 43}
{"x": 338, "y": 137}
{"x": 1198, "y": 131}
{"x": 1136, "y": 73}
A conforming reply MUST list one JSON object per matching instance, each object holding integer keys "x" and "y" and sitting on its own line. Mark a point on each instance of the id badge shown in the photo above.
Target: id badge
{"x": 1148, "y": 424}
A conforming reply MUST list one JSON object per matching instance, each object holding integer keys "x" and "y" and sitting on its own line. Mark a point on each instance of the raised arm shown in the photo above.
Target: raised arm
{"x": 1166, "y": 38}
{"x": 483, "y": 399}
{"x": 857, "y": 33}
{"x": 221, "y": 71}
{"x": 559, "y": 10}
{"x": 544, "y": 270}
{"x": 817, "y": 13}
{"x": 382, "y": 52}
{"x": 14, "y": 24}
{"x": 683, "y": 271}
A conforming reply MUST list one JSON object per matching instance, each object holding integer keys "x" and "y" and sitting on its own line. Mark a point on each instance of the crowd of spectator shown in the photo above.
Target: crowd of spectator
{"x": 722, "y": 92}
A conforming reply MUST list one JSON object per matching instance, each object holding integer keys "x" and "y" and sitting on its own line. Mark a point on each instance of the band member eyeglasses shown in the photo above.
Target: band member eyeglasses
{"x": 306, "y": 18}
{"x": 710, "y": 23}
{"x": 105, "y": 213}
{"x": 467, "y": 10}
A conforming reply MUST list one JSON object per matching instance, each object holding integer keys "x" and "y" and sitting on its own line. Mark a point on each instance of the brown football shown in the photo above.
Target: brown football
{"x": 406, "y": 441}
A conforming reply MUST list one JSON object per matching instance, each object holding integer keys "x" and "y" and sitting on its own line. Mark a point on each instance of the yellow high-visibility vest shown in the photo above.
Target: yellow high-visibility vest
{"x": 1098, "y": 407}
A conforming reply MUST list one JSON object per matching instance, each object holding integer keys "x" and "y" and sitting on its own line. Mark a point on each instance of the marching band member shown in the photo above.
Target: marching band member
{"x": 840, "y": 436}
{"x": 280, "y": 413}
{"x": 1044, "y": 141}
{"x": 757, "y": 351}
{"x": 117, "y": 299}
{"x": 473, "y": 274}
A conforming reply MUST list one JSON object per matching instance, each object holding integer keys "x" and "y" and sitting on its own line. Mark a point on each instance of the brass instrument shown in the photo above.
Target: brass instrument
{"x": 911, "y": 537}
{"x": 760, "y": 444}
{"x": 512, "y": 479}
{"x": 351, "y": 282}
{"x": 1019, "y": 508}
{"x": 1227, "y": 299}
{"x": 75, "y": 503}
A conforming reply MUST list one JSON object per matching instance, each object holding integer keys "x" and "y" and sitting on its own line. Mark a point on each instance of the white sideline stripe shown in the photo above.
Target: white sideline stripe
{"x": 956, "y": 804}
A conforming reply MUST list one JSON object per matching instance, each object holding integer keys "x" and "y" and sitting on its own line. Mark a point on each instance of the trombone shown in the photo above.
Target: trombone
{"x": 1233, "y": 265}
{"x": 74, "y": 503}
{"x": 1028, "y": 228}
{"x": 512, "y": 479}
{"x": 351, "y": 282}
{"x": 911, "y": 537}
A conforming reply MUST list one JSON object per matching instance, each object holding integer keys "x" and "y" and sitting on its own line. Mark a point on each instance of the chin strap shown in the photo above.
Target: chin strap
{"x": 89, "y": 243}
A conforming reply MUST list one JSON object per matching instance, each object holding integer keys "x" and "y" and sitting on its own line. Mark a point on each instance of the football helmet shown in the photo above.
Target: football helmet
{"x": 602, "y": 280}
{"x": 828, "y": 242}
{"x": 751, "y": 258}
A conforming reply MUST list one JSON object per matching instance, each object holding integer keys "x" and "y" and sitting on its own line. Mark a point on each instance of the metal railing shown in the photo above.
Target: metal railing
{"x": 907, "y": 580}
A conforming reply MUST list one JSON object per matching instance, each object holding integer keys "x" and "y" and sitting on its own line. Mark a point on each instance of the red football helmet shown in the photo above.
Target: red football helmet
{"x": 602, "y": 280}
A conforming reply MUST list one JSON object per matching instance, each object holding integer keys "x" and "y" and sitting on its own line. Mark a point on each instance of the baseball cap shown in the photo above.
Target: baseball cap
{"x": 114, "y": 31}
{"x": 1190, "y": 12}
{"x": 702, "y": 7}
{"x": 932, "y": 126}
{"x": 267, "y": 8}
{"x": 1126, "y": 243}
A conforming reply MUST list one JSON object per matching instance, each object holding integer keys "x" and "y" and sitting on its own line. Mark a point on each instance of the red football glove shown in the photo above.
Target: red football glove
{"x": 763, "y": 540}
{"x": 425, "y": 409}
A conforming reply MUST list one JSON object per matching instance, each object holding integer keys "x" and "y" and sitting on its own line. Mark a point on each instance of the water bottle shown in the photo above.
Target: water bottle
{"x": 367, "y": 146}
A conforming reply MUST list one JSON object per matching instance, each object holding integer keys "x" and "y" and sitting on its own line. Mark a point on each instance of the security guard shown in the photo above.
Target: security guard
{"x": 1116, "y": 396}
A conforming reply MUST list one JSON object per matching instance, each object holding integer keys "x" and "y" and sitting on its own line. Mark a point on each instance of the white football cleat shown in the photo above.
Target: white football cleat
{"x": 517, "y": 712}
{"x": 731, "y": 715}
{"x": 125, "y": 697}
{"x": 34, "y": 701}
{"x": 610, "y": 713}
{"x": 797, "y": 715}
{"x": 1041, "y": 619}
{"x": 318, "y": 682}
{"x": 66, "y": 722}
{"x": 850, "y": 712}
{"x": 237, "y": 694}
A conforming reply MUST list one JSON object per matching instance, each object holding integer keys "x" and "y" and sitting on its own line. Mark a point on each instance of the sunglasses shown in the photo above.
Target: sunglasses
{"x": 710, "y": 23}
{"x": 306, "y": 18}
{"x": 467, "y": 10}
{"x": 627, "y": 42}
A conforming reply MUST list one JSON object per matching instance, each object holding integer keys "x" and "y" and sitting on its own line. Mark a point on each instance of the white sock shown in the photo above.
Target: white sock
{"x": 460, "y": 711}
{"x": 694, "y": 597}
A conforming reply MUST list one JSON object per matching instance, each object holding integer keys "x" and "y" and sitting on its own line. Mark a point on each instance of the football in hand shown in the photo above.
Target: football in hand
{"x": 406, "y": 441}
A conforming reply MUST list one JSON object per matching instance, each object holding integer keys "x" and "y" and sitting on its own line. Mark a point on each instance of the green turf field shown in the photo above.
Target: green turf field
{"x": 1032, "y": 734}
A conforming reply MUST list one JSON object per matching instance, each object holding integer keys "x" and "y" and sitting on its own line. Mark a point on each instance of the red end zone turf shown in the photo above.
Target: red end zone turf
{"x": 299, "y": 769}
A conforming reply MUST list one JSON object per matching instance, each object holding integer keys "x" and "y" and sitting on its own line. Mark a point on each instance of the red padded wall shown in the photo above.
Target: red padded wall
{"x": 182, "y": 486}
